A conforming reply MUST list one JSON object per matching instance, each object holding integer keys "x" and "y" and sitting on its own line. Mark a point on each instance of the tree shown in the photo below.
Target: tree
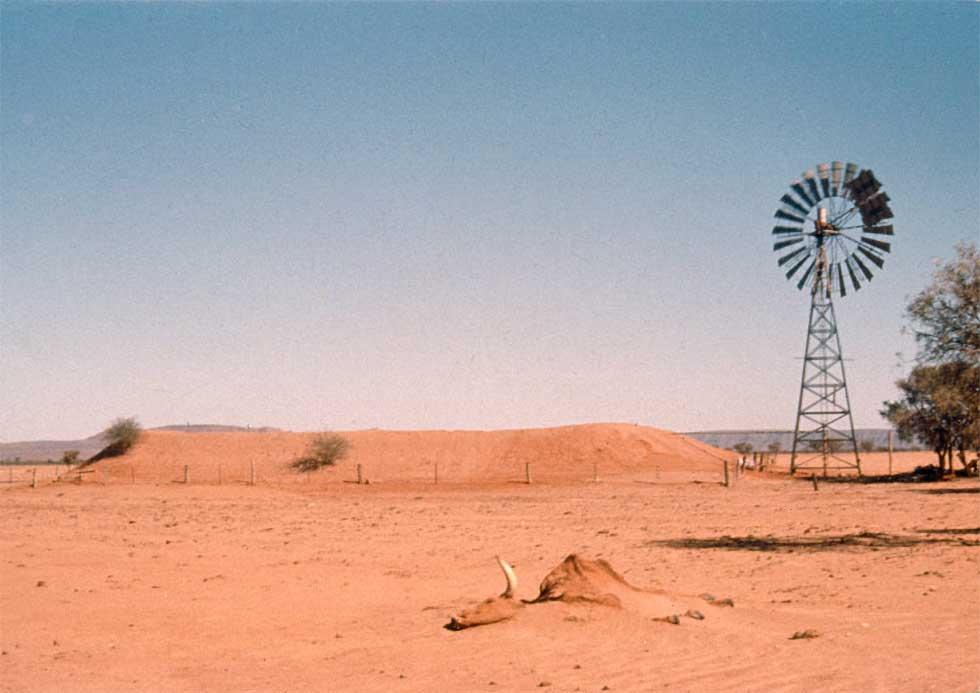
{"x": 939, "y": 406}
{"x": 70, "y": 457}
{"x": 326, "y": 450}
{"x": 940, "y": 401}
{"x": 866, "y": 445}
{"x": 831, "y": 444}
{"x": 774, "y": 447}
{"x": 743, "y": 448}
{"x": 945, "y": 316}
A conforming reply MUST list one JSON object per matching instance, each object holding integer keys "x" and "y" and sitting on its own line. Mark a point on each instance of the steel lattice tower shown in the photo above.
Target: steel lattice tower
{"x": 824, "y": 426}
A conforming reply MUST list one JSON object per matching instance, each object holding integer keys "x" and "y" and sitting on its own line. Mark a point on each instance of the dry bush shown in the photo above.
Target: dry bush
{"x": 326, "y": 450}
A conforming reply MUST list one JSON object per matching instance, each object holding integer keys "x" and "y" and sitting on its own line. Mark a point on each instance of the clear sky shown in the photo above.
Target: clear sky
{"x": 456, "y": 215}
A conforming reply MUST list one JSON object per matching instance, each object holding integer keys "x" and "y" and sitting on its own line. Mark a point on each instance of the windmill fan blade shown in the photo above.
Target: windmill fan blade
{"x": 777, "y": 230}
{"x": 863, "y": 267}
{"x": 790, "y": 202}
{"x": 811, "y": 184}
{"x": 792, "y": 270}
{"x": 840, "y": 281}
{"x": 780, "y": 214}
{"x": 783, "y": 244}
{"x": 806, "y": 275}
{"x": 836, "y": 170}
{"x": 849, "y": 173}
{"x": 854, "y": 279}
{"x": 880, "y": 245}
{"x": 871, "y": 256}
{"x": 882, "y": 230}
{"x": 823, "y": 170}
{"x": 798, "y": 189}
{"x": 786, "y": 258}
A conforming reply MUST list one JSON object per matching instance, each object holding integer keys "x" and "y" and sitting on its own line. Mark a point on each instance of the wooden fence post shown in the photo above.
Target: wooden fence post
{"x": 186, "y": 473}
{"x": 813, "y": 478}
{"x": 527, "y": 472}
{"x": 251, "y": 473}
{"x": 34, "y": 477}
{"x": 360, "y": 475}
{"x": 727, "y": 483}
{"x": 889, "y": 453}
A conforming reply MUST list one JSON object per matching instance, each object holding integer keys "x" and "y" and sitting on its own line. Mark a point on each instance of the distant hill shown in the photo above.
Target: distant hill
{"x": 42, "y": 450}
{"x": 760, "y": 440}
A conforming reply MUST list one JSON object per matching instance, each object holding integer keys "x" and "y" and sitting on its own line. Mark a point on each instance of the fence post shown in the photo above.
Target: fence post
{"x": 527, "y": 472}
{"x": 251, "y": 473}
{"x": 437, "y": 472}
{"x": 360, "y": 475}
{"x": 727, "y": 483}
{"x": 813, "y": 478}
{"x": 889, "y": 453}
{"x": 186, "y": 473}
{"x": 34, "y": 477}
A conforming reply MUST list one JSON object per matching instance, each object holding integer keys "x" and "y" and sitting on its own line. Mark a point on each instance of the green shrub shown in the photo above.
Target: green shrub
{"x": 326, "y": 450}
{"x": 742, "y": 448}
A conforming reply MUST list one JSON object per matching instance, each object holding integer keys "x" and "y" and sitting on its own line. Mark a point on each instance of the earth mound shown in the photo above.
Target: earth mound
{"x": 567, "y": 453}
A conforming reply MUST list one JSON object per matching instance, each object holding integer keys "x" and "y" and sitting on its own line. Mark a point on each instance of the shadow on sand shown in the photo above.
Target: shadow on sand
{"x": 943, "y": 491}
{"x": 840, "y": 542}
{"x": 921, "y": 475}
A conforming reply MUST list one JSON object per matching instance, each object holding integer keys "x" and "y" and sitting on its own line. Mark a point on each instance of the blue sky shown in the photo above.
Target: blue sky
{"x": 456, "y": 215}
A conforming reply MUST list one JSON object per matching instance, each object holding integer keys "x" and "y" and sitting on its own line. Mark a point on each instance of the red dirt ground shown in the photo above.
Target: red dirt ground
{"x": 305, "y": 582}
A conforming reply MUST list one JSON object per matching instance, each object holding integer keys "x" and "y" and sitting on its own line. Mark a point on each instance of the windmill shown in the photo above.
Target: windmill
{"x": 829, "y": 237}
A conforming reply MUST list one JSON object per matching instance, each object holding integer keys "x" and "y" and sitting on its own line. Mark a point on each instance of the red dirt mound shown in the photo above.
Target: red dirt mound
{"x": 554, "y": 454}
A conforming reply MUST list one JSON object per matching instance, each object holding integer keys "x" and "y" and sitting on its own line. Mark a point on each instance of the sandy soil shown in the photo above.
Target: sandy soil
{"x": 326, "y": 585}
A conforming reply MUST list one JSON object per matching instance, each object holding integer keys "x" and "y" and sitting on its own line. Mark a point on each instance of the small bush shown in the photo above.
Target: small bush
{"x": 70, "y": 457}
{"x": 123, "y": 434}
{"x": 119, "y": 438}
{"x": 326, "y": 450}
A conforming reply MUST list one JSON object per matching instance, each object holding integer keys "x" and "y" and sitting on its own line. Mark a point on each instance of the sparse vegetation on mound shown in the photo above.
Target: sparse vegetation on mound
{"x": 326, "y": 450}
